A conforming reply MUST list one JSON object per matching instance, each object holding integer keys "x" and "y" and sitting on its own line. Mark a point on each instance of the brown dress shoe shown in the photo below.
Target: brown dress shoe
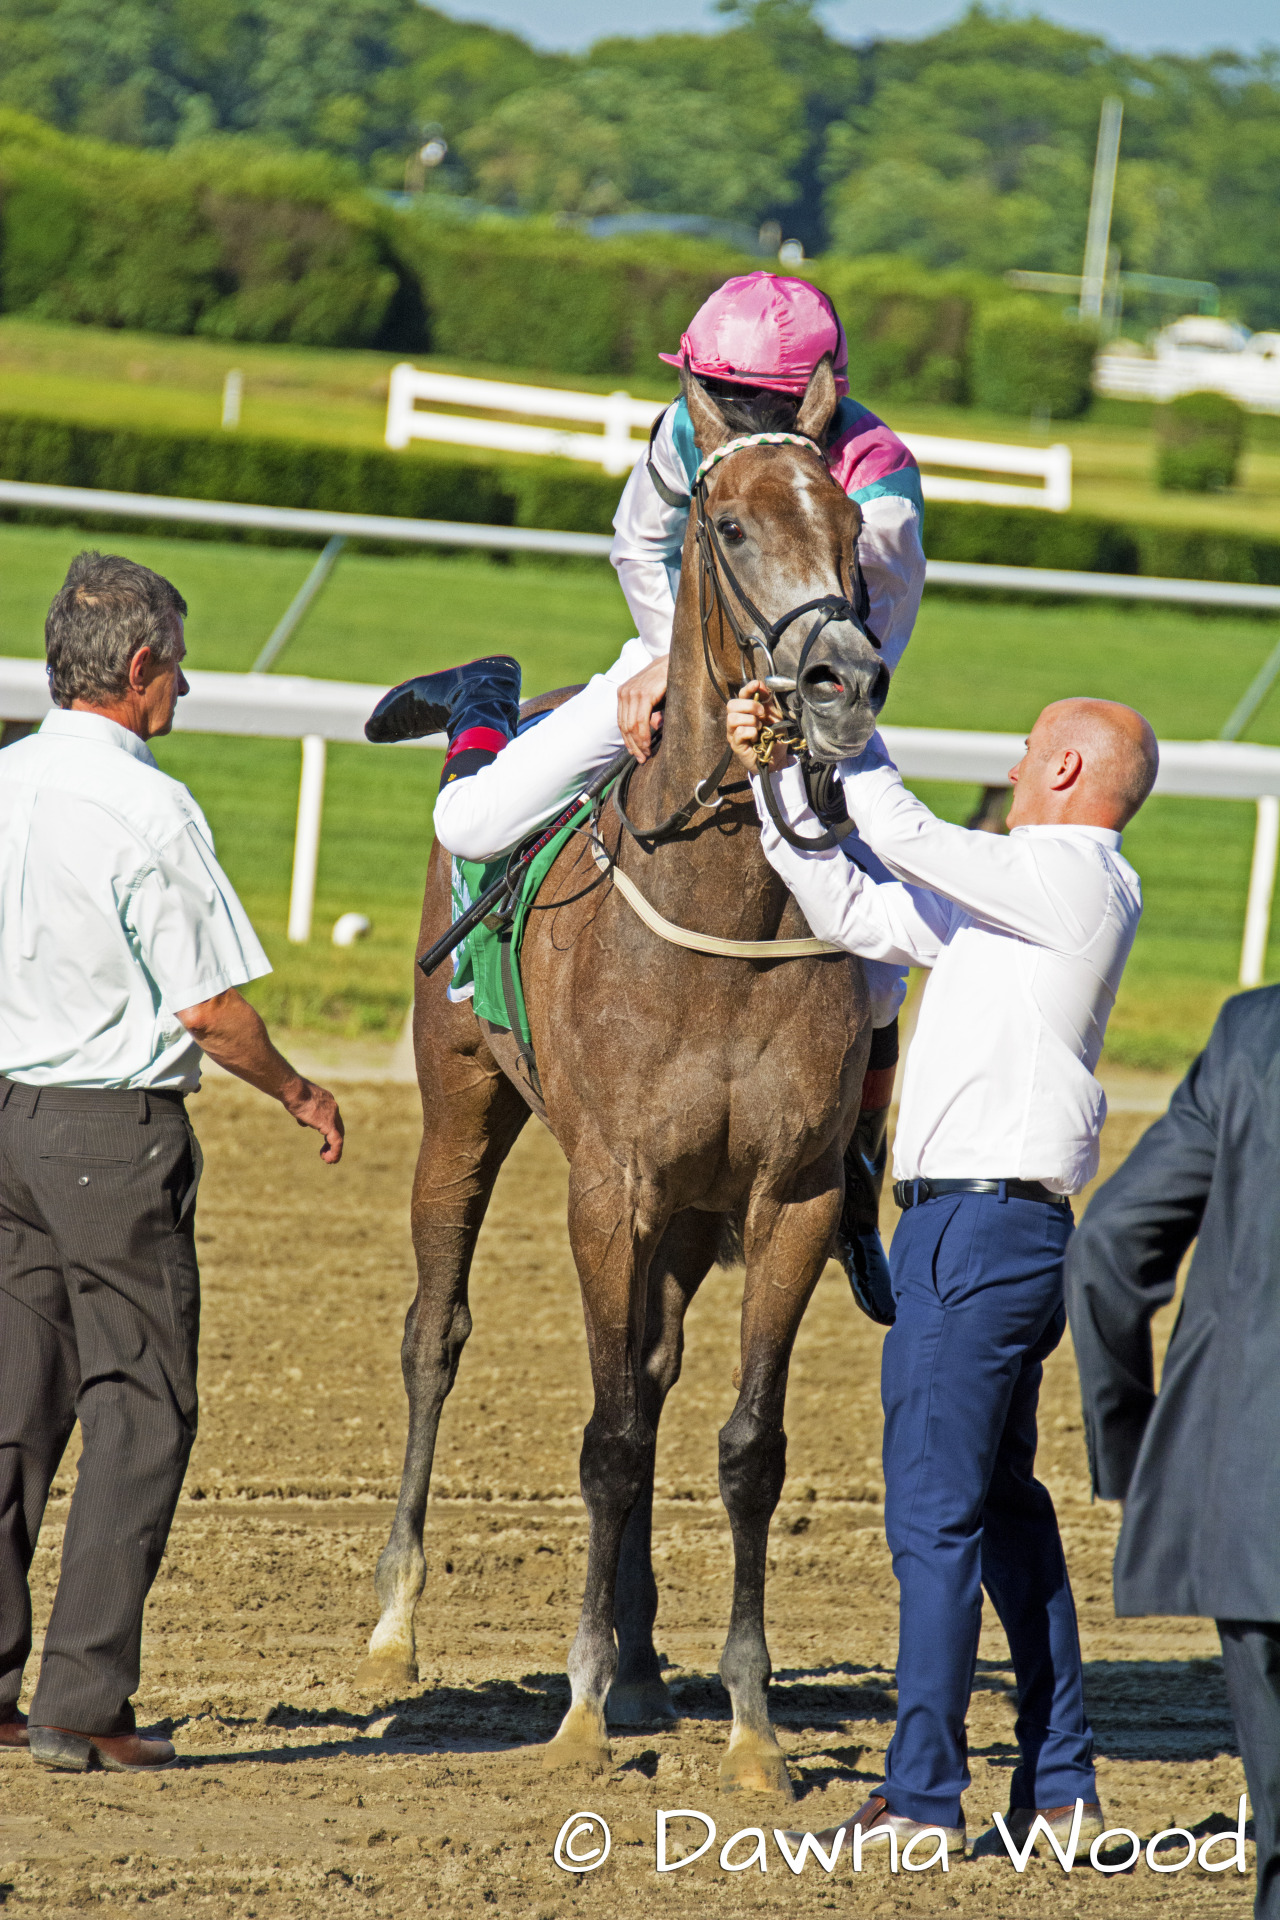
{"x": 1058, "y": 1820}
{"x": 878, "y": 1821}
{"x": 13, "y": 1729}
{"x": 118, "y": 1752}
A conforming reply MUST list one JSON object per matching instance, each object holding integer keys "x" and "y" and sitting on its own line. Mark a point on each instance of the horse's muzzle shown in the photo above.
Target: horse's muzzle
{"x": 841, "y": 702}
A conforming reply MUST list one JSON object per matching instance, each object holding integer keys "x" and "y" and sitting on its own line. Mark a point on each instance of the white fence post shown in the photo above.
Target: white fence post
{"x": 306, "y": 845}
{"x": 399, "y": 429}
{"x": 232, "y": 394}
{"x": 1262, "y": 881}
{"x": 619, "y": 455}
{"x": 1057, "y": 478}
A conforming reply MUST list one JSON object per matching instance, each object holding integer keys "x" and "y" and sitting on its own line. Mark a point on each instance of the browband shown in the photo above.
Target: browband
{"x": 756, "y": 440}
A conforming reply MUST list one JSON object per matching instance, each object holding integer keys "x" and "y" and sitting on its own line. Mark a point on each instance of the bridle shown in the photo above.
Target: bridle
{"x": 760, "y": 636}
{"x": 715, "y": 569}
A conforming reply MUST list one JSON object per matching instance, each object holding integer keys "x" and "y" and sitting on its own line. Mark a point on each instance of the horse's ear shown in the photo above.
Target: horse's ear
{"x": 709, "y": 429}
{"x": 820, "y": 401}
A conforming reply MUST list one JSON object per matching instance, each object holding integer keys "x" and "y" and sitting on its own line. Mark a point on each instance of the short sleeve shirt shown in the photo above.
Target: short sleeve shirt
{"x": 114, "y": 912}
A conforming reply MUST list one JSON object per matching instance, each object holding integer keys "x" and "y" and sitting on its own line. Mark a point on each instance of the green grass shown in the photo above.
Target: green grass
{"x": 988, "y": 666}
{"x": 107, "y": 377}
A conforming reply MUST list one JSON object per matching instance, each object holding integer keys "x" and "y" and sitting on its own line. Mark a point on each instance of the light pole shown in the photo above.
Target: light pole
{"x": 1098, "y": 238}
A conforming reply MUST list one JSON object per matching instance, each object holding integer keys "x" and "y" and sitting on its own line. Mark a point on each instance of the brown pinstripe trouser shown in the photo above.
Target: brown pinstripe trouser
{"x": 99, "y": 1321}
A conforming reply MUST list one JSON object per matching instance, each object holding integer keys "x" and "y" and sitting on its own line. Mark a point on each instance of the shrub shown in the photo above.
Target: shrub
{"x": 1028, "y": 359}
{"x": 259, "y": 472}
{"x": 224, "y": 237}
{"x": 1199, "y": 440}
{"x": 1029, "y": 537}
{"x": 908, "y": 329}
{"x": 528, "y": 296}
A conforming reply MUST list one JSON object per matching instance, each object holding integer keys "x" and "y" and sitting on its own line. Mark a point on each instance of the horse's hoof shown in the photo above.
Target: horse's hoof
{"x": 640, "y": 1703}
{"x": 386, "y": 1674}
{"x": 580, "y": 1742}
{"x": 560, "y": 1753}
{"x": 753, "y": 1765}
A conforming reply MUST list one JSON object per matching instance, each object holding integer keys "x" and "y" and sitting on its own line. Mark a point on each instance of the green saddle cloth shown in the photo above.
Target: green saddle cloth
{"x": 488, "y": 953}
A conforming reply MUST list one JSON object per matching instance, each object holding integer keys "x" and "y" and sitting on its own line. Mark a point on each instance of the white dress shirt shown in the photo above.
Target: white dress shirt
{"x": 1027, "y": 937}
{"x": 114, "y": 912}
{"x": 649, "y": 540}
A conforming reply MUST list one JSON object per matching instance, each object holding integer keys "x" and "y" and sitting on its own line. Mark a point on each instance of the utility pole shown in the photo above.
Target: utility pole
{"x": 1098, "y": 239}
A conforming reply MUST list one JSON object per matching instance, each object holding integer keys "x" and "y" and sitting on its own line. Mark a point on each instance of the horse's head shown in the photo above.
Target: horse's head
{"x": 780, "y": 534}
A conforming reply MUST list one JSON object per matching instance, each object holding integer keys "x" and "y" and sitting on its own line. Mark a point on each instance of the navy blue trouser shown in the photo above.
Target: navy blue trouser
{"x": 978, "y": 1283}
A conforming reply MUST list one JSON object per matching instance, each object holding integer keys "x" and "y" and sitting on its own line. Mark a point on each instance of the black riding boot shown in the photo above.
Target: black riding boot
{"x": 858, "y": 1244}
{"x": 478, "y": 705}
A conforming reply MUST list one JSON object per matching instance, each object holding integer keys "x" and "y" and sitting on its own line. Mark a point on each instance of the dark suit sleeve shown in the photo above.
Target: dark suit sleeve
{"x": 1122, "y": 1266}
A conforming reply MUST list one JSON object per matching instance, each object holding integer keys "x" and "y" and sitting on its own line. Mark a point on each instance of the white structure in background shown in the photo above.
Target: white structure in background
{"x": 617, "y": 451}
{"x": 1196, "y": 354}
{"x": 313, "y": 711}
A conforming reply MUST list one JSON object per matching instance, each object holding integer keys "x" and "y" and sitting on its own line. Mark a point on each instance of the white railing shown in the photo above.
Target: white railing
{"x": 617, "y": 451}
{"x": 293, "y": 707}
{"x": 617, "y": 413}
{"x": 1051, "y": 464}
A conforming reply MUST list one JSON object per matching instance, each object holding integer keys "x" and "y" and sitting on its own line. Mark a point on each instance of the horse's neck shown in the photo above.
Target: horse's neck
{"x": 713, "y": 876}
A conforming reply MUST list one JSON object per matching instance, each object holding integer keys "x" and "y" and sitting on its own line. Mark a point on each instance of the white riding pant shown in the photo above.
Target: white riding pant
{"x": 539, "y": 772}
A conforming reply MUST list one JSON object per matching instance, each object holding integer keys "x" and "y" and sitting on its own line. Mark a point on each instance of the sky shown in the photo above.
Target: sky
{"x": 1182, "y": 26}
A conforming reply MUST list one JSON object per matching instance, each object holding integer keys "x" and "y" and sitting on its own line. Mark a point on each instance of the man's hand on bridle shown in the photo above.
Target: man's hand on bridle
{"x": 638, "y": 701}
{"x": 754, "y": 709}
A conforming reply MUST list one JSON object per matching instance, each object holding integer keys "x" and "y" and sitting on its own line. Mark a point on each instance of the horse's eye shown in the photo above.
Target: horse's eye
{"x": 732, "y": 532}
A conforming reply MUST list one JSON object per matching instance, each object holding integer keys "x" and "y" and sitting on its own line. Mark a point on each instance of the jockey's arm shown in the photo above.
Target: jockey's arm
{"x": 648, "y": 538}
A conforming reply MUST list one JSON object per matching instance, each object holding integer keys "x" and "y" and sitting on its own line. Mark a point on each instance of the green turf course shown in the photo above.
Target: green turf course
{"x": 971, "y": 664}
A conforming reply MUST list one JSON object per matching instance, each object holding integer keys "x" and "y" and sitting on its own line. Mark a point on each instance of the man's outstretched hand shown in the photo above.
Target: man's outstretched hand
{"x": 749, "y": 713}
{"x": 638, "y": 702}
{"x": 233, "y": 1033}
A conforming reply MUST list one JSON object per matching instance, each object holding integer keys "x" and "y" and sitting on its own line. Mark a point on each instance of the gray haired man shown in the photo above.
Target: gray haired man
{"x": 122, "y": 945}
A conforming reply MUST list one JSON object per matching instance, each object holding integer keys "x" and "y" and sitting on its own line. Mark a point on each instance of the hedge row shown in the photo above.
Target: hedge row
{"x": 284, "y": 473}
{"x": 294, "y": 473}
{"x": 247, "y": 242}
{"x": 1029, "y": 537}
{"x": 526, "y": 296}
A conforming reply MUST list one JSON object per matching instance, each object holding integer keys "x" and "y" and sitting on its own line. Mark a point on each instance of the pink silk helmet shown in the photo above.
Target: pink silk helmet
{"x": 764, "y": 330}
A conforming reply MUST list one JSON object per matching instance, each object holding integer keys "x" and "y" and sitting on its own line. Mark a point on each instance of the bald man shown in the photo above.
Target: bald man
{"x": 1026, "y": 939}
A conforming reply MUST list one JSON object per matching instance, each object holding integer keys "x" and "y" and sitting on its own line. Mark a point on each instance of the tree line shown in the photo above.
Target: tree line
{"x": 970, "y": 148}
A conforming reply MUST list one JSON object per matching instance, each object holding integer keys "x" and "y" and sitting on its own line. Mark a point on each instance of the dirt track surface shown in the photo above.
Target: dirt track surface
{"x": 298, "y": 1794}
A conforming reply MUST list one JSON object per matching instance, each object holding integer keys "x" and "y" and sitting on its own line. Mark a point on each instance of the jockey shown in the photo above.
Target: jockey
{"x": 754, "y": 345}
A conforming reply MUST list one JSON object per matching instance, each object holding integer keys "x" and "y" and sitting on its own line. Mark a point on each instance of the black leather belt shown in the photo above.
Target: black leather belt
{"x": 913, "y": 1193}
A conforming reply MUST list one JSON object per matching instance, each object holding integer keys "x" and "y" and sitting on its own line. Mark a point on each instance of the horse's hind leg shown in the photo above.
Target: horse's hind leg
{"x": 639, "y": 1696}
{"x": 786, "y": 1248}
{"x": 472, "y": 1115}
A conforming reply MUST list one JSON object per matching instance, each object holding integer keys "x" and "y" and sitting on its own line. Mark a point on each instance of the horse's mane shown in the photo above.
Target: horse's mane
{"x": 755, "y": 409}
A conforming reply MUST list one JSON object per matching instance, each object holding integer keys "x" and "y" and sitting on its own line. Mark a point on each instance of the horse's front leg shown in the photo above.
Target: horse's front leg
{"x": 612, "y": 1245}
{"x": 786, "y": 1247}
{"x": 639, "y": 1696}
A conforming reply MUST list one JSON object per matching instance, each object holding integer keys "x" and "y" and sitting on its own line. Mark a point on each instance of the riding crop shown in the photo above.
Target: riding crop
{"x": 505, "y": 886}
